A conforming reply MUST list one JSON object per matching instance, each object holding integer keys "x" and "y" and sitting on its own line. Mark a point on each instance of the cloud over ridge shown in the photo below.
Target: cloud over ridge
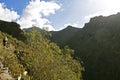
{"x": 35, "y": 12}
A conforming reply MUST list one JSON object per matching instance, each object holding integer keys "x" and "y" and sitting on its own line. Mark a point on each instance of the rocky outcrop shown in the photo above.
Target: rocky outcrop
{"x": 4, "y": 73}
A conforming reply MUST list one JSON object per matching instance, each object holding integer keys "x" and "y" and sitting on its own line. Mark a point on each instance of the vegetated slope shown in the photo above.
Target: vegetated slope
{"x": 9, "y": 60}
{"x": 34, "y": 27}
{"x": 42, "y": 59}
{"x": 97, "y": 44}
{"x": 61, "y": 37}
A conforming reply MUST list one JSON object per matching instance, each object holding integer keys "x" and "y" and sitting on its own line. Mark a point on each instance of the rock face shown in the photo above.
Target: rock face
{"x": 4, "y": 73}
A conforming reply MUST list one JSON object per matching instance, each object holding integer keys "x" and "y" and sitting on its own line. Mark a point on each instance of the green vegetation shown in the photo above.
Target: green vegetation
{"x": 96, "y": 48}
{"x": 64, "y": 35}
{"x": 97, "y": 44}
{"x": 41, "y": 58}
{"x": 49, "y": 62}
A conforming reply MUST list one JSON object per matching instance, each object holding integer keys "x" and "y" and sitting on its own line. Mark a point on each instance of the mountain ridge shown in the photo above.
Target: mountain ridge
{"x": 13, "y": 29}
{"x": 63, "y": 34}
{"x": 38, "y": 56}
{"x": 97, "y": 45}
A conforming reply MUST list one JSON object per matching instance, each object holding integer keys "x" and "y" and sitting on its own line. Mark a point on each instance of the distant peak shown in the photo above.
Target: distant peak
{"x": 71, "y": 27}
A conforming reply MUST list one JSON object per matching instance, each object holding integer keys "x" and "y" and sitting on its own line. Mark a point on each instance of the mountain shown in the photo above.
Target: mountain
{"x": 10, "y": 65}
{"x": 97, "y": 45}
{"x": 28, "y": 29}
{"x": 36, "y": 58}
{"x": 12, "y": 29}
{"x": 63, "y": 34}
{"x": 61, "y": 37}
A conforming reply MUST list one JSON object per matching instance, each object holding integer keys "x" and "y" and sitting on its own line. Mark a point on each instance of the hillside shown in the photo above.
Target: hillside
{"x": 64, "y": 35}
{"x": 9, "y": 59}
{"x": 28, "y": 29}
{"x": 97, "y": 45}
{"x": 12, "y": 29}
{"x": 39, "y": 57}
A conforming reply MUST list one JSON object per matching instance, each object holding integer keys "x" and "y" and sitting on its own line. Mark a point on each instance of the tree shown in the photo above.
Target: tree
{"x": 49, "y": 62}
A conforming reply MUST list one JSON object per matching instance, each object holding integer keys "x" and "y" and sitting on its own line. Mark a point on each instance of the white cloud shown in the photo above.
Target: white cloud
{"x": 7, "y": 14}
{"x": 35, "y": 12}
{"x": 106, "y": 4}
{"x": 101, "y": 7}
{"x": 87, "y": 18}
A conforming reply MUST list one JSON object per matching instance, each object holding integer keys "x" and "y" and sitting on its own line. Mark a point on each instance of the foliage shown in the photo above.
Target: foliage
{"x": 97, "y": 45}
{"x": 62, "y": 36}
{"x": 9, "y": 59}
{"x": 49, "y": 62}
{"x": 41, "y": 58}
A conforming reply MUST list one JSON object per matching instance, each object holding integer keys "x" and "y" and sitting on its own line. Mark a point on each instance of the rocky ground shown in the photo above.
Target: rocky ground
{"x": 5, "y": 73}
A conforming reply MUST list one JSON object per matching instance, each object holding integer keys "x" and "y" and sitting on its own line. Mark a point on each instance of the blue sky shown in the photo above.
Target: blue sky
{"x": 55, "y": 14}
{"x": 17, "y": 5}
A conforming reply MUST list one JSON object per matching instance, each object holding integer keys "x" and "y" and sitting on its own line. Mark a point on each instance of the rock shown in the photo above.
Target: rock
{"x": 4, "y": 73}
{"x": 5, "y": 76}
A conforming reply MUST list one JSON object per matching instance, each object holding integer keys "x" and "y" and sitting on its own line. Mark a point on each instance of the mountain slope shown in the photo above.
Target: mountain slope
{"x": 60, "y": 37}
{"x": 40, "y": 58}
{"x": 28, "y": 29}
{"x": 9, "y": 59}
{"x": 12, "y": 29}
{"x": 97, "y": 44}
